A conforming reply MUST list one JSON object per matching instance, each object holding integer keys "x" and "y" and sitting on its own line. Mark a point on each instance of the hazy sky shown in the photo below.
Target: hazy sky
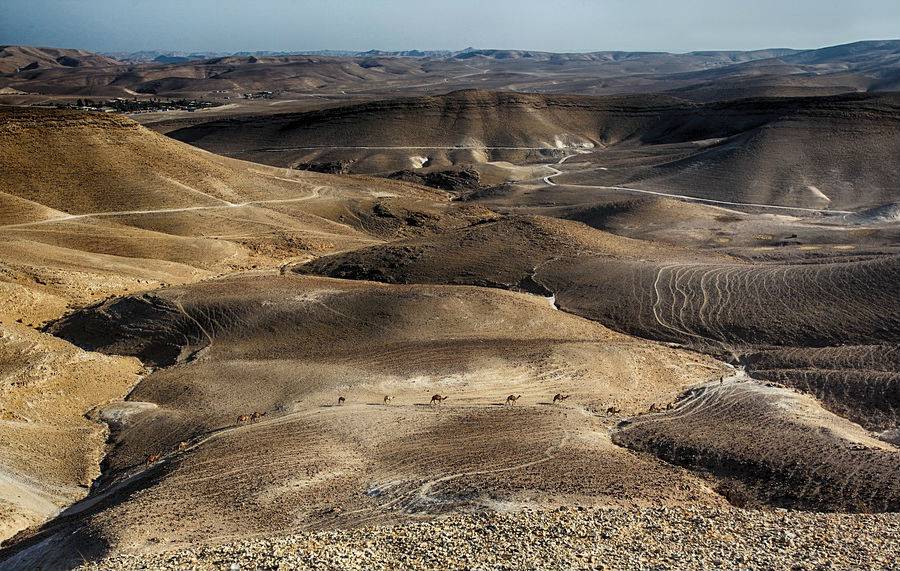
{"x": 550, "y": 25}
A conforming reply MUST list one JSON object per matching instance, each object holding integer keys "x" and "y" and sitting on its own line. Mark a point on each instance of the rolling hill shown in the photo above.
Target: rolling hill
{"x": 26, "y": 58}
{"x": 313, "y": 463}
{"x": 94, "y": 205}
{"x": 805, "y": 152}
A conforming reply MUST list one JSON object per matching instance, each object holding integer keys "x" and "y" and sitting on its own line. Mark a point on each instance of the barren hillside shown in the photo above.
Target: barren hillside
{"x": 94, "y": 205}
{"x": 668, "y": 314}
{"x": 805, "y": 152}
{"x": 26, "y": 58}
{"x": 292, "y": 346}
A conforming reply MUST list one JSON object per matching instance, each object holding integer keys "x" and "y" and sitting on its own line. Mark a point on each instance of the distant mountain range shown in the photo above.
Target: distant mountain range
{"x": 146, "y": 56}
{"x": 698, "y": 76}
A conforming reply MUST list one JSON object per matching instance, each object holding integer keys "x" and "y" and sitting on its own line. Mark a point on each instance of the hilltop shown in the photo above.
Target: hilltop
{"x": 806, "y": 152}
{"x": 26, "y": 58}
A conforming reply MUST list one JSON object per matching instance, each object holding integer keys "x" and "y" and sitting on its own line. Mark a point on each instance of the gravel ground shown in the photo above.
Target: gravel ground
{"x": 652, "y": 538}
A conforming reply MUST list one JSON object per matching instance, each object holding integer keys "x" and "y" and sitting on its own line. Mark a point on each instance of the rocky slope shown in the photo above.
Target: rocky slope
{"x": 607, "y": 539}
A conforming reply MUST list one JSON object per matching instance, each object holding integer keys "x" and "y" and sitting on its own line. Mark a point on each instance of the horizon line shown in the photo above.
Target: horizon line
{"x": 433, "y": 50}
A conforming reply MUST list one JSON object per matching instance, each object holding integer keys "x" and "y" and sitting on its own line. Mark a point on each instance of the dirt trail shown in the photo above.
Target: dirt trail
{"x": 548, "y": 180}
{"x": 711, "y": 201}
{"x": 556, "y": 171}
{"x": 228, "y": 205}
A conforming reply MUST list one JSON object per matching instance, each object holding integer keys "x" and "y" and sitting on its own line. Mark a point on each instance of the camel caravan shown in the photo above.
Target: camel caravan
{"x": 254, "y": 417}
{"x": 510, "y": 400}
{"x": 436, "y": 401}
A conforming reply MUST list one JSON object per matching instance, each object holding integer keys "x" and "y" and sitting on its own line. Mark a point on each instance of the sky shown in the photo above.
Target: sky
{"x": 545, "y": 25}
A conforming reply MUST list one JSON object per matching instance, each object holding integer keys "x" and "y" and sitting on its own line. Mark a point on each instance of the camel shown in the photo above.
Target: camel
{"x": 558, "y": 397}
{"x": 388, "y": 398}
{"x": 256, "y": 416}
{"x": 438, "y": 399}
{"x": 670, "y": 406}
{"x": 511, "y": 399}
{"x": 654, "y": 408}
{"x": 341, "y": 400}
{"x": 152, "y": 459}
{"x": 613, "y": 410}
{"x": 244, "y": 418}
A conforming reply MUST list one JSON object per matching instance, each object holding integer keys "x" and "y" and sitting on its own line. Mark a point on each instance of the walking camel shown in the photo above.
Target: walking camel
{"x": 438, "y": 399}
{"x": 388, "y": 398}
{"x": 511, "y": 399}
{"x": 559, "y": 397}
{"x": 613, "y": 410}
{"x": 341, "y": 400}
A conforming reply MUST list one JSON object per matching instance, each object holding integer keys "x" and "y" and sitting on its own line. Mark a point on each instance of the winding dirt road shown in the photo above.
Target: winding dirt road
{"x": 556, "y": 172}
{"x": 548, "y": 180}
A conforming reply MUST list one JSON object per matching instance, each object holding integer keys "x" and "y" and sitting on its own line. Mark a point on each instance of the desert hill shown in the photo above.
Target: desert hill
{"x": 27, "y": 58}
{"x": 307, "y": 341}
{"x": 94, "y": 205}
{"x": 818, "y": 459}
{"x": 840, "y": 159}
{"x": 109, "y": 192}
{"x": 610, "y": 63}
{"x": 856, "y": 67}
{"x": 50, "y": 453}
{"x": 790, "y": 322}
{"x": 804, "y": 152}
{"x": 67, "y": 171}
{"x": 670, "y": 294}
{"x": 486, "y": 119}
{"x": 198, "y": 78}
{"x": 858, "y": 382}
{"x": 468, "y": 118}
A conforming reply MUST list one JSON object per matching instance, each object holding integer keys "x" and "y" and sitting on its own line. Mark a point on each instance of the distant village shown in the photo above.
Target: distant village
{"x": 259, "y": 95}
{"x": 122, "y": 105}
